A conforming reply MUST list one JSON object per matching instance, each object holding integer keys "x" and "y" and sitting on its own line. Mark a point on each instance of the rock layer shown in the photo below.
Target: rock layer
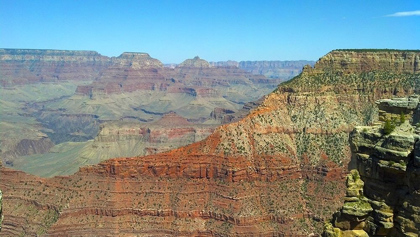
{"x": 267, "y": 174}
{"x": 132, "y": 86}
{"x": 21, "y": 66}
{"x": 386, "y": 202}
{"x": 348, "y": 61}
{"x": 196, "y": 62}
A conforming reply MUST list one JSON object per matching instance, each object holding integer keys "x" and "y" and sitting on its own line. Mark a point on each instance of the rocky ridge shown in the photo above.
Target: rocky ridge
{"x": 23, "y": 66}
{"x": 196, "y": 62}
{"x": 63, "y": 96}
{"x": 383, "y": 193}
{"x": 20, "y": 66}
{"x": 239, "y": 181}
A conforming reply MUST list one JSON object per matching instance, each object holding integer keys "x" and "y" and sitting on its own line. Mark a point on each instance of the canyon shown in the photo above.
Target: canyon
{"x": 279, "y": 171}
{"x": 56, "y": 102}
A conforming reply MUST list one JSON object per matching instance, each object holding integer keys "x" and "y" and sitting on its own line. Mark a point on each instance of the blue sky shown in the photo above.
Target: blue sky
{"x": 172, "y": 31}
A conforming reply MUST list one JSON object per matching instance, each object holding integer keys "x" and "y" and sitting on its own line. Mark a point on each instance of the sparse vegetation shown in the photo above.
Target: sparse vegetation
{"x": 402, "y": 117}
{"x": 388, "y": 127}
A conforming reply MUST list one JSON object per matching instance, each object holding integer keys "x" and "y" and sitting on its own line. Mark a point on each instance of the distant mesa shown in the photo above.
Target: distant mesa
{"x": 137, "y": 60}
{"x": 196, "y": 62}
{"x": 48, "y": 52}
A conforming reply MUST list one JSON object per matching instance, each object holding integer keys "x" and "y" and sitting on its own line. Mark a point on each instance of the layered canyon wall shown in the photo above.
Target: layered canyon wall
{"x": 23, "y": 66}
{"x": 383, "y": 192}
{"x": 267, "y": 174}
{"x": 53, "y": 97}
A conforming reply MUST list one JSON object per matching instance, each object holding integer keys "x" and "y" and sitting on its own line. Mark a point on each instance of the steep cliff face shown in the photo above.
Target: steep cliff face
{"x": 372, "y": 73}
{"x": 384, "y": 199}
{"x": 25, "y": 147}
{"x": 23, "y": 66}
{"x": 350, "y": 61}
{"x": 267, "y": 174}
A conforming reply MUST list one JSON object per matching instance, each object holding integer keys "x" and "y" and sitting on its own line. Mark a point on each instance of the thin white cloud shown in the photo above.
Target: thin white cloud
{"x": 400, "y": 14}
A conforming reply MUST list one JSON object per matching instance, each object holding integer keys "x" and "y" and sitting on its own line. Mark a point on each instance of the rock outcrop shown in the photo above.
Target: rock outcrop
{"x": 278, "y": 171}
{"x": 136, "y": 61}
{"x": 26, "y": 147}
{"x": 196, "y": 62}
{"x": 24, "y": 66}
{"x": 348, "y": 61}
{"x": 384, "y": 200}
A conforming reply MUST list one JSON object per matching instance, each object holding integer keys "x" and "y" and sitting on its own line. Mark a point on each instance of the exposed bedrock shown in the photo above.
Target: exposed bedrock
{"x": 69, "y": 127}
{"x": 278, "y": 171}
{"x": 27, "y": 147}
{"x": 383, "y": 192}
{"x": 23, "y": 66}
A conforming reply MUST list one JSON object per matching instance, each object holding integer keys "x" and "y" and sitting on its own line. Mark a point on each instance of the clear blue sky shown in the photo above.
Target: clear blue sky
{"x": 172, "y": 31}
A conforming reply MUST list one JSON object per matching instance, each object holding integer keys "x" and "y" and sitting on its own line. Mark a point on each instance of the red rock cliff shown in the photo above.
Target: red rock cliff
{"x": 279, "y": 171}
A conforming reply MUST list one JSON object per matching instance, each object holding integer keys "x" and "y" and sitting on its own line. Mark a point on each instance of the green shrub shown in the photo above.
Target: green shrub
{"x": 388, "y": 127}
{"x": 402, "y": 117}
